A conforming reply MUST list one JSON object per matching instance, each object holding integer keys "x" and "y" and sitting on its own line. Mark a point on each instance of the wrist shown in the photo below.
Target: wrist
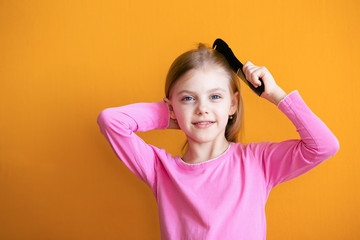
{"x": 277, "y": 96}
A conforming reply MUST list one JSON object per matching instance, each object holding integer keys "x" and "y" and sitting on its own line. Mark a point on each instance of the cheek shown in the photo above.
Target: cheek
{"x": 181, "y": 112}
{"x": 224, "y": 115}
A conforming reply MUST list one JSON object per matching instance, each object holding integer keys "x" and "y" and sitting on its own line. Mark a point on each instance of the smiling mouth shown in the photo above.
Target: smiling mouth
{"x": 204, "y": 124}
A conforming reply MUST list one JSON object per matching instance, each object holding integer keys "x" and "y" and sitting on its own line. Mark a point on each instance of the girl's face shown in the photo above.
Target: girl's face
{"x": 201, "y": 102}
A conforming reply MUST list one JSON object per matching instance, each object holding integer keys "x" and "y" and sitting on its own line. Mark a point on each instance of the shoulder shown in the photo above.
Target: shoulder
{"x": 238, "y": 146}
{"x": 251, "y": 149}
{"x": 163, "y": 155}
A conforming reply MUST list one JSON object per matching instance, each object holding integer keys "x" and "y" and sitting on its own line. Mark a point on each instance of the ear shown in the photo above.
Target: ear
{"x": 234, "y": 103}
{"x": 171, "y": 110}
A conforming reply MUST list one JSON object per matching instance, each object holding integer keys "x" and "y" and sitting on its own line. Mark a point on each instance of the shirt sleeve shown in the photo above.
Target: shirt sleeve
{"x": 283, "y": 161}
{"x": 118, "y": 125}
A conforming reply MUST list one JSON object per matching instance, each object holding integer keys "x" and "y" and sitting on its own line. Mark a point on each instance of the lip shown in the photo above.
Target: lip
{"x": 204, "y": 125}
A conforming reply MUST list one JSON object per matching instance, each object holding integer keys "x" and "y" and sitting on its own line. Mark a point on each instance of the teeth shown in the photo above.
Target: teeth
{"x": 203, "y": 122}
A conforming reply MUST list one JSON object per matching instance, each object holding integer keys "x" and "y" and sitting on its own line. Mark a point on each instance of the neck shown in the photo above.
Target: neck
{"x": 201, "y": 152}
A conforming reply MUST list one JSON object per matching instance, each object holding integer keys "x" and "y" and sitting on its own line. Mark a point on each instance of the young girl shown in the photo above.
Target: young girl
{"x": 218, "y": 189}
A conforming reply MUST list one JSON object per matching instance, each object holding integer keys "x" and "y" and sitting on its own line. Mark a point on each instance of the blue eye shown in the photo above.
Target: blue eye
{"x": 217, "y": 96}
{"x": 186, "y": 98}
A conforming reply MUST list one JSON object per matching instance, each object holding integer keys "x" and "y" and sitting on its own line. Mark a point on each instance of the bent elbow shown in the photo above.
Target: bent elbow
{"x": 330, "y": 148}
{"x": 335, "y": 146}
{"x": 103, "y": 118}
{"x": 323, "y": 149}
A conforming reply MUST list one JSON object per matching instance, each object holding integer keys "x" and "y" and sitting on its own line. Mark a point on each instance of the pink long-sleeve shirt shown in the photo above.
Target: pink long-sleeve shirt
{"x": 222, "y": 198}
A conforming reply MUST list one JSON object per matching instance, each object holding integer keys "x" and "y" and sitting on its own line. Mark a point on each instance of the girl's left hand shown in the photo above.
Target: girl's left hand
{"x": 272, "y": 91}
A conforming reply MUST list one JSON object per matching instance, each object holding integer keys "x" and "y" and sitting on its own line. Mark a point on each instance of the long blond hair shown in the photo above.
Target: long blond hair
{"x": 197, "y": 58}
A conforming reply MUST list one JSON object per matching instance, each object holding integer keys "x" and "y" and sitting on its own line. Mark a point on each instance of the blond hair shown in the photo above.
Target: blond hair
{"x": 199, "y": 58}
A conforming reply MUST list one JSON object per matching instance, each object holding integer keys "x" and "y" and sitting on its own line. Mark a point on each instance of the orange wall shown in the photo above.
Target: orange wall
{"x": 62, "y": 62}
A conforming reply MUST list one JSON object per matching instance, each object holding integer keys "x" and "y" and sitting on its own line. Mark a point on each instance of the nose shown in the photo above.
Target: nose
{"x": 202, "y": 107}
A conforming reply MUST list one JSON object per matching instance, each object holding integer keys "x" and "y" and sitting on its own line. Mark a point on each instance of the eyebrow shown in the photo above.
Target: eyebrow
{"x": 211, "y": 90}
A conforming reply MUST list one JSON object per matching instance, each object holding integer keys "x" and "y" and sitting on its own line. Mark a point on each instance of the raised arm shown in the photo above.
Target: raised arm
{"x": 118, "y": 125}
{"x": 282, "y": 161}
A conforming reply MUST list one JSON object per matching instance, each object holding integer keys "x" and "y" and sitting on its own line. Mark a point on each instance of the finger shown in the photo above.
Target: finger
{"x": 253, "y": 77}
{"x": 250, "y": 74}
{"x": 247, "y": 67}
{"x": 248, "y": 63}
{"x": 259, "y": 73}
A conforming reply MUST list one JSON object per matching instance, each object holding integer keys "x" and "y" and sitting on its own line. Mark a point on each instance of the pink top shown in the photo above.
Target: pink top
{"x": 222, "y": 198}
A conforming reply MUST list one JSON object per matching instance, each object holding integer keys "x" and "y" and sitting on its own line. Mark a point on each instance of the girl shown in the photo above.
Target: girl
{"x": 219, "y": 187}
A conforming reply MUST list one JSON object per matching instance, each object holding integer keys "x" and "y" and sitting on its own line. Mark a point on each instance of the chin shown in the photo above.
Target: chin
{"x": 203, "y": 140}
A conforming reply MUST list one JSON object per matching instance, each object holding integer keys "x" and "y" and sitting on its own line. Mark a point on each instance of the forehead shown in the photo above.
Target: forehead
{"x": 202, "y": 80}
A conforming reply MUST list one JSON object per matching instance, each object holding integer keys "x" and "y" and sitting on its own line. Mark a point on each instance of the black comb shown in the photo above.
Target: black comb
{"x": 221, "y": 46}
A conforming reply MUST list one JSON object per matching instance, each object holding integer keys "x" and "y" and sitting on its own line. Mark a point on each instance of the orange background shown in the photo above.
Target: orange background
{"x": 62, "y": 62}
